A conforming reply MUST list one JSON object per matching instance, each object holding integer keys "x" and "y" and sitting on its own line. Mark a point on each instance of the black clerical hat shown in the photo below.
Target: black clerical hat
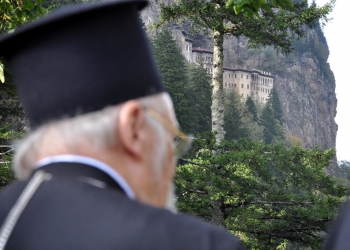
{"x": 81, "y": 59}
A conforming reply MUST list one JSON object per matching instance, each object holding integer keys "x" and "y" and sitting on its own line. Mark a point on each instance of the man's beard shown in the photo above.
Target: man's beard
{"x": 171, "y": 200}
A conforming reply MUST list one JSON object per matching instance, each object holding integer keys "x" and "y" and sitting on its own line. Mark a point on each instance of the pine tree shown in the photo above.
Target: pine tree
{"x": 272, "y": 119}
{"x": 199, "y": 100}
{"x": 275, "y": 103}
{"x": 273, "y": 130}
{"x": 252, "y": 108}
{"x": 269, "y": 123}
{"x": 172, "y": 68}
{"x": 234, "y": 125}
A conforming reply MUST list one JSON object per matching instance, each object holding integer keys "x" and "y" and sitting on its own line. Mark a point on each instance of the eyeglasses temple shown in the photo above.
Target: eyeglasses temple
{"x": 166, "y": 123}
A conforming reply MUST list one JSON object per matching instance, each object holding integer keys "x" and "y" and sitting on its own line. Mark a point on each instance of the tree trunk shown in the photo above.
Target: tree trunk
{"x": 217, "y": 107}
{"x": 217, "y": 216}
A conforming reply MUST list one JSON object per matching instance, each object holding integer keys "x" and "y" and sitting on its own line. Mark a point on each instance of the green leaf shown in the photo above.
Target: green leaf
{"x": 266, "y": 7}
{"x": 274, "y": 2}
{"x": 289, "y": 5}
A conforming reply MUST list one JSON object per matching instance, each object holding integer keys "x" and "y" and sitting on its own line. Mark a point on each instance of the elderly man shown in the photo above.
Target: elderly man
{"x": 96, "y": 171}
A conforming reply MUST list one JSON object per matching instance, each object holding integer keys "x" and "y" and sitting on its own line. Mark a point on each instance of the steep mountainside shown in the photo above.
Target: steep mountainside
{"x": 303, "y": 80}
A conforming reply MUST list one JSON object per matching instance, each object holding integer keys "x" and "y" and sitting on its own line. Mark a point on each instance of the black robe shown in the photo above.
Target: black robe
{"x": 73, "y": 211}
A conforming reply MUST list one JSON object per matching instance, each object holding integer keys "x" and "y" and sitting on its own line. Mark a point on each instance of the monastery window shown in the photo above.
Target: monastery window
{"x": 241, "y": 75}
{"x": 229, "y": 75}
{"x": 186, "y": 48}
{"x": 247, "y": 95}
{"x": 242, "y": 94}
{"x": 242, "y": 86}
{"x": 247, "y": 86}
{"x": 235, "y": 85}
{"x": 247, "y": 77}
{"x": 235, "y": 76}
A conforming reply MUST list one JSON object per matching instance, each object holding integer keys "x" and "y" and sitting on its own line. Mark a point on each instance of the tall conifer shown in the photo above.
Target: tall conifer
{"x": 200, "y": 99}
{"x": 272, "y": 119}
{"x": 234, "y": 125}
{"x": 252, "y": 108}
{"x": 275, "y": 103}
{"x": 172, "y": 68}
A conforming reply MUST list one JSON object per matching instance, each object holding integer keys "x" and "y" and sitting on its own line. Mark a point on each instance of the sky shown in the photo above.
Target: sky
{"x": 338, "y": 39}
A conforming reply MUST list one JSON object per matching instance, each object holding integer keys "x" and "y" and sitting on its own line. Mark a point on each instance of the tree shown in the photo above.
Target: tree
{"x": 172, "y": 68}
{"x": 273, "y": 131}
{"x": 252, "y": 108}
{"x": 251, "y": 7}
{"x": 270, "y": 196}
{"x": 54, "y": 4}
{"x": 274, "y": 102}
{"x": 345, "y": 169}
{"x": 234, "y": 126}
{"x": 13, "y": 14}
{"x": 272, "y": 118}
{"x": 199, "y": 100}
{"x": 17, "y": 12}
{"x": 273, "y": 28}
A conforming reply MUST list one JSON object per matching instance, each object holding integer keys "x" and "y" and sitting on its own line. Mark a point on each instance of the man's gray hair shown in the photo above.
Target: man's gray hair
{"x": 95, "y": 129}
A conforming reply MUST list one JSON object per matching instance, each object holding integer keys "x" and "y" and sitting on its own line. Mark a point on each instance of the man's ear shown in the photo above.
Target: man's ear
{"x": 131, "y": 128}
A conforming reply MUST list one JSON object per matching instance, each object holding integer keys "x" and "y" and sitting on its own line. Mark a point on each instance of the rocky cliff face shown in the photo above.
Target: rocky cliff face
{"x": 303, "y": 80}
{"x": 305, "y": 85}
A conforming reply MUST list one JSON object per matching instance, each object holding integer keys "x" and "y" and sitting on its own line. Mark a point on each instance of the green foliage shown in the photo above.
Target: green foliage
{"x": 271, "y": 119}
{"x": 55, "y": 4}
{"x": 275, "y": 104}
{"x": 251, "y": 7}
{"x": 17, "y": 12}
{"x": 234, "y": 126}
{"x": 7, "y": 135}
{"x": 344, "y": 167}
{"x": 172, "y": 68}
{"x": 6, "y": 175}
{"x": 274, "y": 28}
{"x": 13, "y": 14}
{"x": 252, "y": 108}
{"x": 270, "y": 196}
{"x": 199, "y": 102}
{"x": 270, "y": 124}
